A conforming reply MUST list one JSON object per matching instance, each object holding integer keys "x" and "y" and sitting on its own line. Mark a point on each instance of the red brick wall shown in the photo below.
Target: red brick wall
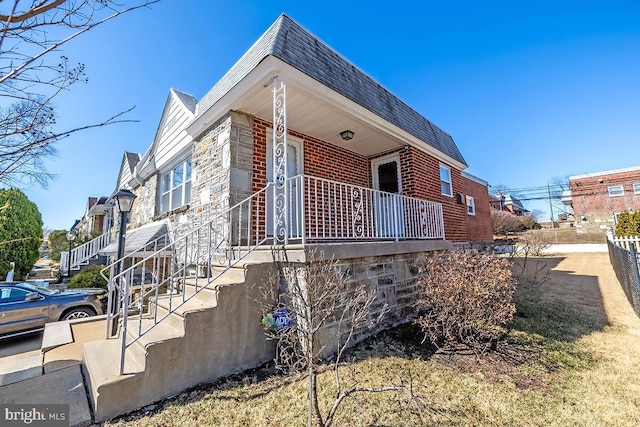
{"x": 420, "y": 174}
{"x": 479, "y": 225}
{"x": 321, "y": 159}
{"x": 589, "y": 196}
{"x": 421, "y": 179}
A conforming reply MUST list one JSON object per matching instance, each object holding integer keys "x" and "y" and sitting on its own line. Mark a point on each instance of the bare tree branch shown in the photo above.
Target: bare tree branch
{"x": 37, "y": 10}
{"x": 31, "y": 79}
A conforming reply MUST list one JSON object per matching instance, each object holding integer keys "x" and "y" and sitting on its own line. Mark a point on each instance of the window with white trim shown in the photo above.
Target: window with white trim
{"x": 445, "y": 181}
{"x": 616, "y": 190}
{"x": 471, "y": 206}
{"x": 636, "y": 188}
{"x": 175, "y": 187}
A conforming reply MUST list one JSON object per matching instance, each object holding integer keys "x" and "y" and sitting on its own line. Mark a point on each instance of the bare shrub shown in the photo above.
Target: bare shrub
{"x": 465, "y": 297}
{"x": 533, "y": 243}
{"x": 504, "y": 222}
{"x": 310, "y": 298}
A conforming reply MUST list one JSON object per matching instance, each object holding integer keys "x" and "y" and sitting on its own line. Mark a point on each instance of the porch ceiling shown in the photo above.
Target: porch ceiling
{"x": 318, "y": 118}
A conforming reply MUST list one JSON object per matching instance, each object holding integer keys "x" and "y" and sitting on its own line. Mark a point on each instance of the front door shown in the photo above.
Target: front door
{"x": 294, "y": 168}
{"x": 388, "y": 212}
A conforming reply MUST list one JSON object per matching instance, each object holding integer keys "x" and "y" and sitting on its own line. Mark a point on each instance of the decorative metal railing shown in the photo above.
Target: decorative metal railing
{"x": 322, "y": 210}
{"x": 83, "y": 253}
{"x": 178, "y": 270}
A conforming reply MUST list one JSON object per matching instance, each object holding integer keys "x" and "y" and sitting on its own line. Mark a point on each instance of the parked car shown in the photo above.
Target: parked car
{"x": 26, "y": 307}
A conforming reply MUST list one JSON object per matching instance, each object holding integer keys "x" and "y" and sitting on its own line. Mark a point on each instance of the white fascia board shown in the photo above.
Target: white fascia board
{"x": 258, "y": 77}
{"x": 271, "y": 67}
{"x": 475, "y": 178}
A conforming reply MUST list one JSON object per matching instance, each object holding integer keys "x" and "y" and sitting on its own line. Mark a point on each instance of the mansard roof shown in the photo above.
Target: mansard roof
{"x": 297, "y": 47}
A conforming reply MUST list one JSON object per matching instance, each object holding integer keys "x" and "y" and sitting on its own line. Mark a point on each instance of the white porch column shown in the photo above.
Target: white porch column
{"x": 280, "y": 191}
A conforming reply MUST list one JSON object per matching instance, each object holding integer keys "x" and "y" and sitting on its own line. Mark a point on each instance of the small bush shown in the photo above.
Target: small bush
{"x": 464, "y": 297}
{"x": 504, "y": 222}
{"x": 88, "y": 278}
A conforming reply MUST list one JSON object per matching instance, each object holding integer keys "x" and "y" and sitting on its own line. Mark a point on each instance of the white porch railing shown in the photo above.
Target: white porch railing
{"x": 83, "y": 253}
{"x": 325, "y": 210}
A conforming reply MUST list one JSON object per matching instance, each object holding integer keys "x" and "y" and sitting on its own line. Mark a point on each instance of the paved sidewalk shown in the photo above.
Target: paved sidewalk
{"x": 56, "y": 378}
{"x": 64, "y": 386}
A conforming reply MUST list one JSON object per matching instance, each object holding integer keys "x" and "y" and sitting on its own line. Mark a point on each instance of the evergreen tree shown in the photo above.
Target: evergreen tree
{"x": 58, "y": 243}
{"x": 628, "y": 224}
{"x": 20, "y": 233}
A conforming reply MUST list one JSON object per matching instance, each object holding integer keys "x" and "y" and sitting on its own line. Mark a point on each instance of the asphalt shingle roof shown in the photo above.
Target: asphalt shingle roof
{"x": 189, "y": 101}
{"x": 292, "y": 44}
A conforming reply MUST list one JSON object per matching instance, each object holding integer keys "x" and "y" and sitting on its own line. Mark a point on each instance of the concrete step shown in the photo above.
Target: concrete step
{"x": 56, "y": 334}
{"x": 200, "y": 342}
{"x": 207, "y": 291}
{"x": 155, "y": 332}
{"x": 194, "y": 303}
{"x": 235, "y": 274}
{"x": 101, "y": 369}
{"x": 20, "y": 367}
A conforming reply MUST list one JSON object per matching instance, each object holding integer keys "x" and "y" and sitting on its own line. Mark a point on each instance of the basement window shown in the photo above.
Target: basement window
{"x": 616, "y": 190}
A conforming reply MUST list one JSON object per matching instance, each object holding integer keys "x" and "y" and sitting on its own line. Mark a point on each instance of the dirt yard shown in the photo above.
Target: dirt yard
{"x": 587, "y": 281}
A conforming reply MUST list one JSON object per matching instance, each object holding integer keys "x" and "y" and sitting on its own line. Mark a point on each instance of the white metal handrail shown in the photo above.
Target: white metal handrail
{"x": 326, "y": 210}
{"x": 200, "y": 256}
{"x": 84, "y": 252}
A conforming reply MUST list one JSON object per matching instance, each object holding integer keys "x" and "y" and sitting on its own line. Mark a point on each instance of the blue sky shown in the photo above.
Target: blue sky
{"x": 529, "y": 91}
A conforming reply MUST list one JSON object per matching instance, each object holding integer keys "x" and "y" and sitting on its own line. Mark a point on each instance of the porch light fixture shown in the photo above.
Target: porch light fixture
{"x": 124, "y": 200}
{"x": 346, "y": 135}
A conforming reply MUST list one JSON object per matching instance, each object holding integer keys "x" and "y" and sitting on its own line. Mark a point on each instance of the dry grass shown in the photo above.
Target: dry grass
{"x": 565, "y": 236}
{"x": 563, "y": 363}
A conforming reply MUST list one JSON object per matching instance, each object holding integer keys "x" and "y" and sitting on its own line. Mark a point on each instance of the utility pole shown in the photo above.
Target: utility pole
{"x": 550, "y": 204}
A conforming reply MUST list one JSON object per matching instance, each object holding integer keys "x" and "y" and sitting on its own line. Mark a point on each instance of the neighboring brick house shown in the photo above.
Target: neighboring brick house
{"x": 508, "y": 203}
{"x": 597, "y": 198}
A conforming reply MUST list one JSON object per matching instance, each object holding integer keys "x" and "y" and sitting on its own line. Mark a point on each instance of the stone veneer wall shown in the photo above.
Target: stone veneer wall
{"x": 222, "y": 170}
{"x": 392, "y": 278}
{"x": 144, "y": 207}
{"x": 222, "y": 162}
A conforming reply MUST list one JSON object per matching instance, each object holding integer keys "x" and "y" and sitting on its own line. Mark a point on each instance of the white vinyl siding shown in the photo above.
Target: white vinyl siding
{"x": 445, "y": 181}
{"x": 175, "y": 187}
{"x": 172, "y": 141}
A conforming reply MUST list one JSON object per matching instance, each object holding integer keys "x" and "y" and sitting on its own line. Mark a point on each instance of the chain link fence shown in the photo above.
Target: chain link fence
{"x": 625, "y": 264}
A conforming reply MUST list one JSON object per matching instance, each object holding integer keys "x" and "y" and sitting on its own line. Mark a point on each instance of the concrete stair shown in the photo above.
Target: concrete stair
{"x": 214, "y": 333}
